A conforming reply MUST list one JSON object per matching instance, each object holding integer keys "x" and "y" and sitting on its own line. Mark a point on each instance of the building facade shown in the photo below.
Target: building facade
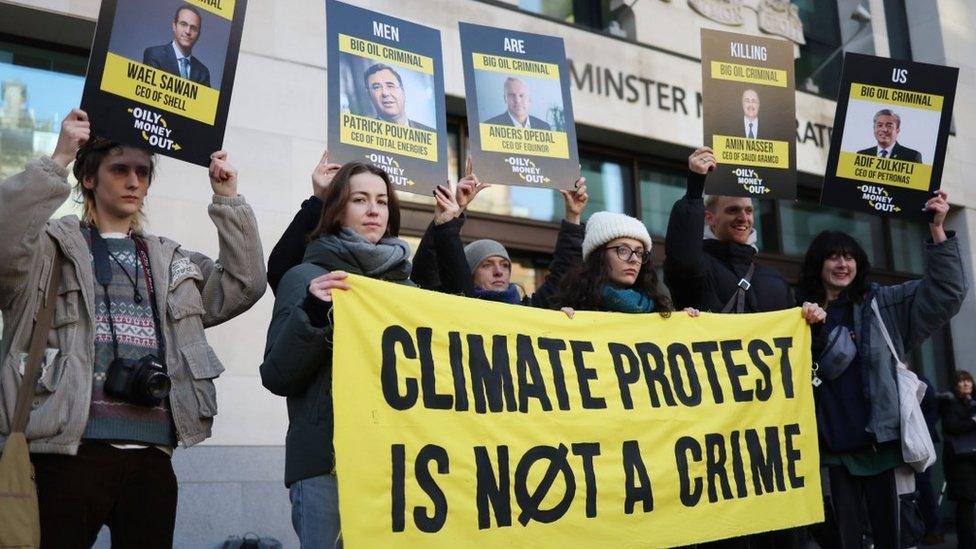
{"x": 636, "y": 84}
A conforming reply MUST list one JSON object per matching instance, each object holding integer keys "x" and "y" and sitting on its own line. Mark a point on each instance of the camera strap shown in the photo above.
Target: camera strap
{"x": 103, "y": 275}
{"x": 142, "y": 256}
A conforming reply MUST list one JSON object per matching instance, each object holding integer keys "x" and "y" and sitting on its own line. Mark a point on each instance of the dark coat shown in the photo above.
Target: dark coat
{"x": 957, "y": 419}
{"x": 164, "y": 58}
{"x": 705, "y": 274}
{"x": 897, "y": 152}
{"x": 504, "y": 119}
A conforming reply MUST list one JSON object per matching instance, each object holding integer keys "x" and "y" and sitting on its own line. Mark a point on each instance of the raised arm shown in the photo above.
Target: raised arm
{"x": 569, "y": 244}
{"x": 30, "y": 198}
{"x": 684, "y": 265}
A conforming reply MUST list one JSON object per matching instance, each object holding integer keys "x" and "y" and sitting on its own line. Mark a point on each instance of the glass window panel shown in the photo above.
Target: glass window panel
{"x": 820, "y": 21}
{"x": 606, "y": 182}
{"x": 801, "y": 222}
{"x": 659, "y": 190}
{"x": 557, "y": 9}
{"x": 899, "y": 42}
{"x": 907, "y": 238}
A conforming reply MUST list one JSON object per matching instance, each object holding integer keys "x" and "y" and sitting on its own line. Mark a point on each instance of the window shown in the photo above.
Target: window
{"x": 907, "y": 238}
{"x": 659, "y": 190}
{"x": 802, "y": 221}
{"x": 816, "y": 70}
{"x": 899, "y": 43}
{"x": 615, "y": 18}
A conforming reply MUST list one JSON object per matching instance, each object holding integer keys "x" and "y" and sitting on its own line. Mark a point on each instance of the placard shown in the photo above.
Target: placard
{"x": 890, "y": 133}
{"x": 386, "y": 96}
{"x": 161, "y": 73}
{"x": 749, "y": 113}
{"x": 520, "y": 112}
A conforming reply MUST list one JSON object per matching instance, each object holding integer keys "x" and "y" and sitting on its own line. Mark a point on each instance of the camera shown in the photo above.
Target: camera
{"x": 143, "y": 381}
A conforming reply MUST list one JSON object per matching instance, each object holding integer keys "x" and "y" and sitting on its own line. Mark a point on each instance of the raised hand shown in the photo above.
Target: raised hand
{"x": 575, "y": 201}
{"x": 322, "y": 175}
{"x": 446, "y": 206}
{"x": 223, "y": 175}
{"x": 469, "y": 186}
{"x": 939, "y": 206}
{"x": 75, "y": 131}
{"x": 702, "y": 160}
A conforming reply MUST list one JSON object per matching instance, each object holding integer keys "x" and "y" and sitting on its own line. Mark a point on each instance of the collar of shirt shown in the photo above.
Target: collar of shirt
{"x": 887, "y": 151}
{"x": 755, "y": 125}
{"x": 179, "y": 53}
{"x": 516, "y": 122}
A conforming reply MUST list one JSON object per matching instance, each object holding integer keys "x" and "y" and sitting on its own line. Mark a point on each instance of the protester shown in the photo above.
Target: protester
{"x": 356, "y": 233}
{"x": 130, "y": 303}
{"x": 857, "y": 397}
{"x": 959, "y": 423}
{"x": 488, "y": 263}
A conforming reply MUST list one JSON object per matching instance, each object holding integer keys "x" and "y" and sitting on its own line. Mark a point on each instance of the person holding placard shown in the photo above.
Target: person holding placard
{"x": 128, "y": 372}
{"x": 858, "y": 416}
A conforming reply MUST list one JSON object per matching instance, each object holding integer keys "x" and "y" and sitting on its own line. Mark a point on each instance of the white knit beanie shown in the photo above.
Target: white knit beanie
{"x": 602, "y": 227}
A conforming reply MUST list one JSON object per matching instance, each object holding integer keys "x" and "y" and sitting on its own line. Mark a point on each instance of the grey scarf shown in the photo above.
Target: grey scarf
{"x": 350, "y": 251}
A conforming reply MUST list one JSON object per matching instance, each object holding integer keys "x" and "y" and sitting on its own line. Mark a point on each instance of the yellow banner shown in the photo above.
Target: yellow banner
{"x": 467, "y": 423}
{"x": 381, "y": 135}
{"x": 223, "y": 8}
{"x": 743, "y": 151}
{"x": 514, "y": 65}
{"x": 893, "y": 96}
{"x": 884, "y": 171}
{"x": 387, "y": 54}
{"x": 527, "y": 141}
{"x": 765, "y": 76}
{"x": 160, "y": 89}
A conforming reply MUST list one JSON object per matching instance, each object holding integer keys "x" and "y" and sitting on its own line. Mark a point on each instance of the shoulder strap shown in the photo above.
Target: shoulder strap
{"x": 738, "y": 299}
{"x": 42, "y": 325}
{"x": 884, "y": 331}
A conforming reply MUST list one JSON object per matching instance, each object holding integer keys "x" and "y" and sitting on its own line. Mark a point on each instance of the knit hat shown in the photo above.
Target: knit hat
{"x": 479, "y": 250}
{"x": 602, "y": 227}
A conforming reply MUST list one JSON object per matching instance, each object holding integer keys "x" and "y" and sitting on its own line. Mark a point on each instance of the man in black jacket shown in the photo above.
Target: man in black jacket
{"x": 710, "y": 265}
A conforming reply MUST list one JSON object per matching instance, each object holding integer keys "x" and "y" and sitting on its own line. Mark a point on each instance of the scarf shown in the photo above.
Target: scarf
{"x": 350, "y": 251}
{"x": 509, "y": 295}
{"x": 625, "y": 300}
{"x": 751, "y": 241}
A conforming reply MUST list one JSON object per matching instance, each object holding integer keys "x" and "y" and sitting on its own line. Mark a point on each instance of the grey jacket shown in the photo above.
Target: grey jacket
{"x": 192, "y": 292}
{"x": 912, "y": 311}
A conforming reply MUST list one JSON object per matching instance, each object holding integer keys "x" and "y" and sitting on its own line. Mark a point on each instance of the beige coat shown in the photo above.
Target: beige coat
{"x": 192, "y": 292}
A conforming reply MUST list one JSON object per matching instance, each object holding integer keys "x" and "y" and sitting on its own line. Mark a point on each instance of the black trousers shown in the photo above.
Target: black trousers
{"x": 965, "y": 524}
{"x": 134, "y": 492}
{"x": 880, "y": 498}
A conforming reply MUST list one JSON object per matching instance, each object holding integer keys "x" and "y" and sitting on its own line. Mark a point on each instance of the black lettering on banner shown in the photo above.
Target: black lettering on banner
{"x": 530, "y": 504}
{"x": 693, "y": 396}
{"x": 492, "y": 490}
{"x": 457, "y": 371}
{"x": 705, "y": 349}
{"x": 715, "y": 467}
{"x": 553, "y": 347}
{"x": 738, "y": 471}
{"x": 434, "y": 522}
{"x": 765, "y": 468}
{"x": 388, "y": 376}
{"x": 784, "y": 344}
{"x": 527, "y": 366}
{"x": 735, "y": 370}
{"x": 587, "y": 451}
{"x": 655, "y": 374}
{"x": 689, "y": 492}
{"x": 637, "y": 483}
{"x": 397, "y": 487}
{"x": 490, "y": 381}
{"x": 764, "y": 386}
{"x": 584, "y": 375}
{"x": 625, "y": 378}
{"x": 792, "y": 455}
{"x": 428, "y": 380}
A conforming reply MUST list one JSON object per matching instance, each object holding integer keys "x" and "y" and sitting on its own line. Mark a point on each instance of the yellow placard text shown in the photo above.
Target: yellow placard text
{"x": 158, "y": 88}
{"x": 743, "y": 151}
{"x": 380, "y": 52}
{"x": 380, "y": 135}
{"x": 514, "y": 65}
{"x": 894, "y": 96}
{"x": 525, "y": 141}
{"x": 884, "y": 171}
{"x": 723, "y": 70}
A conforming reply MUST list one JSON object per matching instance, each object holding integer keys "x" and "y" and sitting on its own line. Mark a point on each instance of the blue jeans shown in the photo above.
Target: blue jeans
{"x": 315, "y": 512}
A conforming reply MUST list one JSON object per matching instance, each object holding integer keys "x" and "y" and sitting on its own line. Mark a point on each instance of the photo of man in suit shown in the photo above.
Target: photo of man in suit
{"x": 887, "y": 126}
{"x": 176, "y": 57}
{"x": 518, "y": 99}
{"x": 750, "y": 114}
{"x": 389, "y": 99}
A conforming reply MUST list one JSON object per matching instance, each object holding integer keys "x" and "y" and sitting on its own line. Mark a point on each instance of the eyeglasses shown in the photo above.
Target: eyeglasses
{"x": 624, "y": 253}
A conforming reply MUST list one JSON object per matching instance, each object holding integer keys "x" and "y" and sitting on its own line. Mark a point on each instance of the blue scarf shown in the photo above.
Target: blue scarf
{"x": 625, "y": 300}
{"x": 509, "y": 295}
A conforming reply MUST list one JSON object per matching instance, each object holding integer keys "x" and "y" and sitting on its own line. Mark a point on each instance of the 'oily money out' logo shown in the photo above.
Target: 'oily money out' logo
{"x": 527, "y": 171}
{"x": 878, "y": 198}
{"x": 153, "y": 129}
{"x": 750, "y": 181}
{"x": 392, "y": 168}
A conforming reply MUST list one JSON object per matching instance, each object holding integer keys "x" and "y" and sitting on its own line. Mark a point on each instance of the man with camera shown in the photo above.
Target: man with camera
{"x": 127, "y": 372}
